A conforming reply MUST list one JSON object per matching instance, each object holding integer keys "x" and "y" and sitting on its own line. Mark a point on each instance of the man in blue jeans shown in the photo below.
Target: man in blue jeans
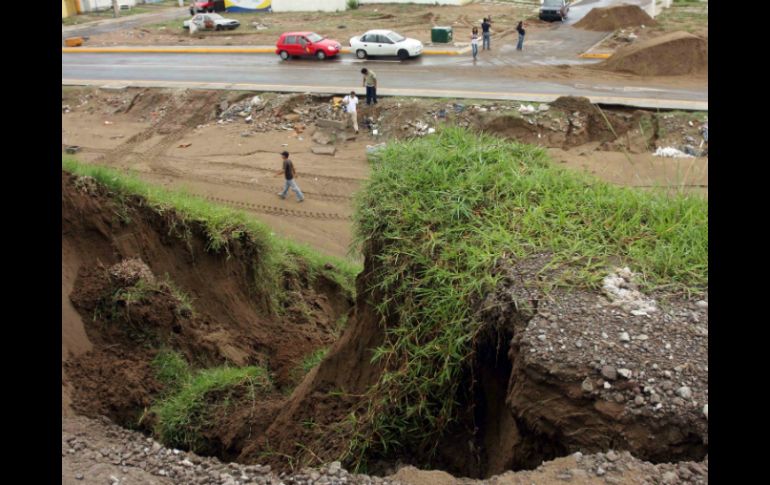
{"x": 486, "y": 35}
{"x": 370, "y": 83}
{"x": 289, "y": 174}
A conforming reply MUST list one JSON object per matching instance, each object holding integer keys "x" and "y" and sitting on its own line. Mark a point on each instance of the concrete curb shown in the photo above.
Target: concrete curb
{"x": 218, "y": 50}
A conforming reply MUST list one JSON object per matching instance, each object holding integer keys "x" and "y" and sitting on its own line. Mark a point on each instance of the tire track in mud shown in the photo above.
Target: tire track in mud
{"x": 279, "y": 211}
{"x": 175, "y": 123}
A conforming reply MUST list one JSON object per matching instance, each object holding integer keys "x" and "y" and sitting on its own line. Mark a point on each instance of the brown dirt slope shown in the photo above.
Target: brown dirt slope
{"x": 616, "y": 17}
{"x": 674, "y": 54}
{"x": 146, "y": 280}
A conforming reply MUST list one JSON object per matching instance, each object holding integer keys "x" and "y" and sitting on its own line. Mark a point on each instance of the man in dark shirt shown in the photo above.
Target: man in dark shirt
{"x": 289, "y": 174}
{"x": 485, "y": 25}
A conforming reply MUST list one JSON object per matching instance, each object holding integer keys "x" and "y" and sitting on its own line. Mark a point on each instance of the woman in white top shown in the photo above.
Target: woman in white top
{"x": 351, "y": 101}
{"x": 475, "y": 42}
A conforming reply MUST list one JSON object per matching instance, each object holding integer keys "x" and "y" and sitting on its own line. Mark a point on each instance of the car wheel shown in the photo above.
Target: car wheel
{"x": 403, "y": 54}
{"x": 321, "y": 55}
{"x": 284, "y": 55}
{"x": 218, "y": 27}
{"x": 361, "y": 54}
{"x": 192, "y": 11}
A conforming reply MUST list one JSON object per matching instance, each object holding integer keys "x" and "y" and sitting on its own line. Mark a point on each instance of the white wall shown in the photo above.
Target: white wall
{"x": 91, "y": 5}
{"x": 440, "y": 2}
{"x": 309, "y": 5}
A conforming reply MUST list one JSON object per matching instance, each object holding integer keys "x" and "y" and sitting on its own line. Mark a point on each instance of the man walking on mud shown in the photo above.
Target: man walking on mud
{"x": 289, "y": 174}
{"x": 370, "y": 83}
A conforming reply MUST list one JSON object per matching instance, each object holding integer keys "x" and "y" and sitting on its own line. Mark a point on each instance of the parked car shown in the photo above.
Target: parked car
{"x": 306, "y": 44}
{"x": 212, "y": 21}
{"x": 554, "y": 10}
{"x": 202, "y": 6}
{"x": 385, "y": 43}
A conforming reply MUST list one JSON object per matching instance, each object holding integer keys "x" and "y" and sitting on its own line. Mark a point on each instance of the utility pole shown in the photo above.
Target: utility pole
{"x": 115, "y": 8}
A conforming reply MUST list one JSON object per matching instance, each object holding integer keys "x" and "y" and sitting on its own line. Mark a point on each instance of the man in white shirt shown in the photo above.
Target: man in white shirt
{"x": 351, "y": 101}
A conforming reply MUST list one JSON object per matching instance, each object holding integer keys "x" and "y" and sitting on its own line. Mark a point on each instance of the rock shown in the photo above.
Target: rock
{"x": 624, "y": 337}
{"x": 578, "y": 456}
{"x": 670, "y": 478}
{"x": 322, "y": 137}
{"x": 609, "y": 372}
{"x": 612, "y": 456}
{"x": 639, "y": 400}
{"x": 684, "y": 392}
{"x": 78, "y": 476}
{"x": 600, "y": 471}
{"x": 607, "y": 385}
{"x": 587, "y": 385}
{"x": 335, "y": 467}
{"x": 337, "y": 125}
{"x": 291, "y": 117}
{"x": 541, "y": 337}
{"x": 702, "y": 304}
{"x": 324, "y": 150}
{"x": 626, "y": 373}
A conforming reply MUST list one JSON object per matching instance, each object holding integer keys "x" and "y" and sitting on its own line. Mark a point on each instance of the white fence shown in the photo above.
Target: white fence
{"x": 309, "y": 5}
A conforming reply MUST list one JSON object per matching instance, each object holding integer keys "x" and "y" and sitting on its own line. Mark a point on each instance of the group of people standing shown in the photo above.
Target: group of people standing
{"x": 486, "y": 36}
{"x": 351, "y": 108}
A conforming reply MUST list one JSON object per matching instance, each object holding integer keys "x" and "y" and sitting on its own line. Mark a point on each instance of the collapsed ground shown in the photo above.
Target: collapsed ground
{"x": 224, "y": 146}
{"x": 194, "y": 324}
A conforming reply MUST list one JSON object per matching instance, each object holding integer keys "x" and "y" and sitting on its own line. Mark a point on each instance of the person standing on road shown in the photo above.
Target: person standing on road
{"x": 370, "y": 83}
{"x": 351, "y": 101}
{"x": 521, "y": 31}
{"x": 475, "y": 42}
{"x": 485, "y": 25}
{"x": 289, "y": 174}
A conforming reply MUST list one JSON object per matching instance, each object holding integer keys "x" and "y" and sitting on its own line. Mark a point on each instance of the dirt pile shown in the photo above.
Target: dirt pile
{"x": 615, "y": 17}
{"x": 673, "y": 54}
{"x": 574, "y": 121}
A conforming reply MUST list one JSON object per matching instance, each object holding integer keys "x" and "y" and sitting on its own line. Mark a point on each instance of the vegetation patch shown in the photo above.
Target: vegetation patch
{"x": 440, "y": 211}
{"x": 193, "y": 398}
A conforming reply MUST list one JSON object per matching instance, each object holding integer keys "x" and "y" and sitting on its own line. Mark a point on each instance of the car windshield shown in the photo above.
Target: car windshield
{"x": 396, "y": 37}
{"x": 314, "y": 37}
{"x": 552, "y": 3}
{"x": 215, "y": 16}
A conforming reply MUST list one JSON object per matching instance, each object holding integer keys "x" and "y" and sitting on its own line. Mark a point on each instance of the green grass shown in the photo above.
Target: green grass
{"x": 171, "y": 370}
{"x": 442, "y": 210}
{"x": 182, "y": 415}
{"x": 274, "y": 256}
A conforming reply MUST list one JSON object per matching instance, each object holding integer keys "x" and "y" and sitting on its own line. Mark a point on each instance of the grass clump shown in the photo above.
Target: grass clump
{"x": 184, "y": 413}
{"x": 441, "y": 211}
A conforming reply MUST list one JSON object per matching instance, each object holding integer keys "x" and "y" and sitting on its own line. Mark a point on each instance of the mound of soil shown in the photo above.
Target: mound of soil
{"x": 574, "y": 121}
{"x": 616, "y": 17}
{"x": 673, "y": 54}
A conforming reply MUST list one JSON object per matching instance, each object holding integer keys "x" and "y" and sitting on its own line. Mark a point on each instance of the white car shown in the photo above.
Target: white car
{"x": 211, "y": 21}
{"x": 385, "y": 43}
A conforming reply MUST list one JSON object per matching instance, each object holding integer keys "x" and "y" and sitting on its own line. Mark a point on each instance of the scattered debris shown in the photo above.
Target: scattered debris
{"x": 670, "y": 152}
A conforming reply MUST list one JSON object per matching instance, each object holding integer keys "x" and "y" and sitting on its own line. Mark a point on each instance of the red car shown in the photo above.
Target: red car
{"x": 202, "y": 6}
{"x": 306, "y": 44}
